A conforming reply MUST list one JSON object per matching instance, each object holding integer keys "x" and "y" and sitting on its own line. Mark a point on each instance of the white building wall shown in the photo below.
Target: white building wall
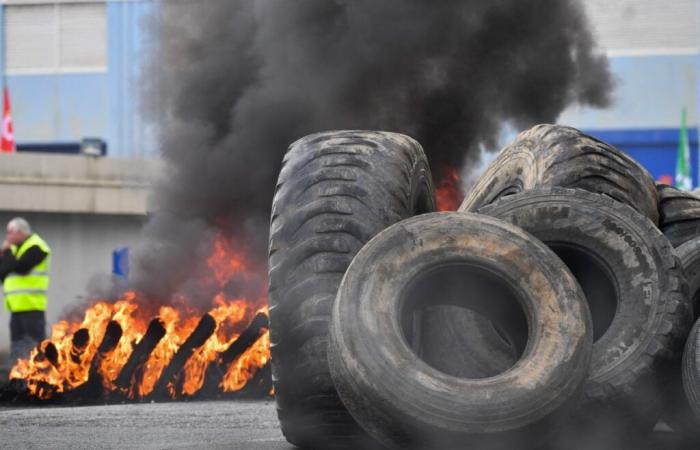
{"x": 629, "y": 27}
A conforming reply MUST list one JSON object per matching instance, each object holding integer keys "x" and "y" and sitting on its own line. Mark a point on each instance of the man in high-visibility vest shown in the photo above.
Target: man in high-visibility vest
{"x": 24, "y": 272}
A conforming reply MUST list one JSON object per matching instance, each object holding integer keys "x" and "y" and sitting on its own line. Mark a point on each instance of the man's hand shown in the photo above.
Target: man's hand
{"x": 5, "y": 245}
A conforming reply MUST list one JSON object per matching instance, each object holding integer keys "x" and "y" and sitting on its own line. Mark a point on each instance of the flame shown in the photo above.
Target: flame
{"x": 225, "y": 261}
{"x": 176, "y": 331}
{"x": 72, "y": 367}
{"x": 448, "y": 193}
{"x": 245, "y": 367}
{"x": 39, "y": 372}
{"x": 133, "y": 329}
{"x": 226, "y": 313}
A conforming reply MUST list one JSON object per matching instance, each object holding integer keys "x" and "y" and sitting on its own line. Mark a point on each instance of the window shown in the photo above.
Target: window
{"x": 55, "y": 37}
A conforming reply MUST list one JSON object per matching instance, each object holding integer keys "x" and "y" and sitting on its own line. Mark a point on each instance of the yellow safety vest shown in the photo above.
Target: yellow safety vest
{"x": 28, "y": 292}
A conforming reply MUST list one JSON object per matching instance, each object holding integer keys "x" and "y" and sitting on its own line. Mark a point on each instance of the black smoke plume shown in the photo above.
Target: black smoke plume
{"x": 230, "y": 84}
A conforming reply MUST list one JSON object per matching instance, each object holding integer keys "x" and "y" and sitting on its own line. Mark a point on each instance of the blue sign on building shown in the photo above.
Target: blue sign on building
{"x": 120, "y": 262}
{"x": 655, "y": 149}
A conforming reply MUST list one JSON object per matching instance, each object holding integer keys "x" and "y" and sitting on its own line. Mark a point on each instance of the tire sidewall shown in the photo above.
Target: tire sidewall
{"x": 401, "y": 400}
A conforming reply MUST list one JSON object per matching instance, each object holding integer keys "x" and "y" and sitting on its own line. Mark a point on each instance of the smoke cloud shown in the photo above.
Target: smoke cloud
{"x": 230, "y": 84}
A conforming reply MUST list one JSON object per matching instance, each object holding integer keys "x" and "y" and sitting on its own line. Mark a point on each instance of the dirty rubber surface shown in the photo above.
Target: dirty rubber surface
{"x": 177, "y": 425}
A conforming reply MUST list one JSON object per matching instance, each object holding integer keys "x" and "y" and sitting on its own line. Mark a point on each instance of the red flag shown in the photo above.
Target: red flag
{"x": 8, "y": 138}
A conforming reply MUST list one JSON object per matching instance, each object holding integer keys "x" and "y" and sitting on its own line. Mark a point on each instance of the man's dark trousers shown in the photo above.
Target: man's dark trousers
{"x": 27, "y": 329}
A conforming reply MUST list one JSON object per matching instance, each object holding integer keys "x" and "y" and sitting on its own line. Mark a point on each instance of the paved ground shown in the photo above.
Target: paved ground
{"x": 249, "y": 425}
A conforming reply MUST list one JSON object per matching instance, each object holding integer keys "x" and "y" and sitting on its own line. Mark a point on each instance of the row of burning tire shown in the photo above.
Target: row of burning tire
{"x": 552, "y": 305}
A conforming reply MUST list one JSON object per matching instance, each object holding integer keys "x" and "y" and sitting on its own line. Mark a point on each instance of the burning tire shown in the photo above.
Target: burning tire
{"x": 555, "y": 155}
{"x": 336, "y": 190}
{"x": 679, "y": 214}
{"x": 404, "y": 402}
{"x": 634, "y": 286}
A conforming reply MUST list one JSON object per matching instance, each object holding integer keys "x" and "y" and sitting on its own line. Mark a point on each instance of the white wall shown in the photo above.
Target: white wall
{"x": 630, "y": 27}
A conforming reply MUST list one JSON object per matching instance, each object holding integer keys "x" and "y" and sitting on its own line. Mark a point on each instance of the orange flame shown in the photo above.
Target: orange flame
{"x": 195, "y": 368}
{"x": 448, "y": 191}
{"x": 176, "y": 332}
{"x": 225, "y": 261}
{"x": 72, "y": 367}
{"x": 247, "y": 364}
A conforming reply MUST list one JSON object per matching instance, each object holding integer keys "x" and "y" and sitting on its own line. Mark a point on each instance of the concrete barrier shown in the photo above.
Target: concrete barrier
{"x": 75, "y": 183}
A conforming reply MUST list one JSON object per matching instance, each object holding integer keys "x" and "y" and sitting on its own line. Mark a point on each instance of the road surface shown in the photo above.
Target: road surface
{"x": 249, "y": 425}
{"x": 236, "y": 425}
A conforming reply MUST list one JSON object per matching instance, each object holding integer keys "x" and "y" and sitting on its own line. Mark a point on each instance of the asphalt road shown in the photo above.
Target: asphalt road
{"x": 250, "y": 425}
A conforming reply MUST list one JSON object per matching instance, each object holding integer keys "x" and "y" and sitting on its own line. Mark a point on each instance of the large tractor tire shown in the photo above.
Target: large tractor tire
{"x": 679, "y": 214}
{"x": 635, "y": 289}
{"x": 689, "y": 255}
{"x": 476, "y": 262}
{"x": 691, "y": 375}
{"x": 556, "y": 155}
{"x": 336, "y": 190}
{"x": 678, "y": 413}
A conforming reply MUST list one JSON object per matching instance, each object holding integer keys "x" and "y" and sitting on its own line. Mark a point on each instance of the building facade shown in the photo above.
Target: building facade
{"x": 72, "y": 68}
{"x": 652, "y": 46}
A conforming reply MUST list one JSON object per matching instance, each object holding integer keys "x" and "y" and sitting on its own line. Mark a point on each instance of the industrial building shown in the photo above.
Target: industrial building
{"x": 652, "y": 48}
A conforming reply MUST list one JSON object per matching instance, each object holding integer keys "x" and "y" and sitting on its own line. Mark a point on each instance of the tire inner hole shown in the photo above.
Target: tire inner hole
{"x": 596, "y": 282}
{"x": 464, "y": 321}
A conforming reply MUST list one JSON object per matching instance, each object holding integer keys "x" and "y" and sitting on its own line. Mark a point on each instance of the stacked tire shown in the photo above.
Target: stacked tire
{"x": 634, "y": 288}
{"x": 679, "y": 219}
{"x": 335, "y": 191}
{"x": 550, "y": 305}
{"x": 679, "y": 214}
{"x": 554, "y": 155}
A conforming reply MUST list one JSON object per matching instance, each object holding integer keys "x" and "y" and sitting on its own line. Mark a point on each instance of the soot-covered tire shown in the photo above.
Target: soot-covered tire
{"x": 691, "y": 373}
{"x": 634, "y": 286}
{"x": 678, "y": 413}
{"x": 679, "y": 214}
{"x": 689, "y": 255}
{"x": 335, "y": 191}
{"x": 556, "y": 155}
{"x": 513, "y": 171}
{"x": 471, "y": 261}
